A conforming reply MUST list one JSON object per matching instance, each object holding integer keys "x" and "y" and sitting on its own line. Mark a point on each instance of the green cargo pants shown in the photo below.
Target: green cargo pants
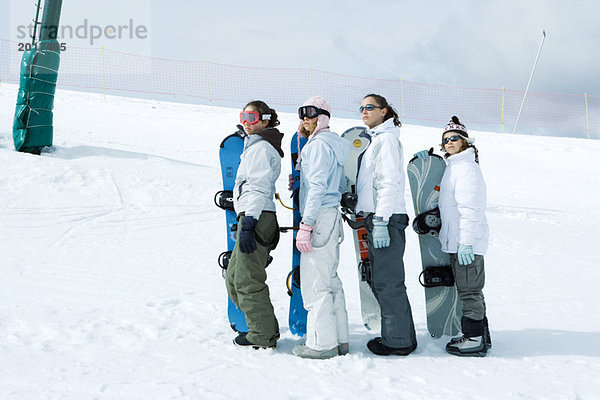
{"x": 245, "y": 281}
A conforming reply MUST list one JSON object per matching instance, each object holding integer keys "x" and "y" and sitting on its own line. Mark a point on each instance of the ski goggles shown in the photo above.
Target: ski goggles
{"x": 368, "y": 107}
{"x": 252, "y": 117}
{"x": 311, "y": 112}
{"x": 452, "y": 138}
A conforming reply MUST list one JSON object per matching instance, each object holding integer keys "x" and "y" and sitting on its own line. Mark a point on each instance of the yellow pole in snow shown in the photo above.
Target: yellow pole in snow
{"x": 587, "y": 117}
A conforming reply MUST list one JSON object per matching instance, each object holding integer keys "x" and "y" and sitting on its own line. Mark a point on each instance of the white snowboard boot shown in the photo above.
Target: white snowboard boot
{"x": 306, "y": 352}
{"x": 467, "y": 346}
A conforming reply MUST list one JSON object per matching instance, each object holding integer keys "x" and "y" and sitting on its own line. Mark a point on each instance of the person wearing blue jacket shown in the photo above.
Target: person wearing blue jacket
{"x": 322, "y": 182}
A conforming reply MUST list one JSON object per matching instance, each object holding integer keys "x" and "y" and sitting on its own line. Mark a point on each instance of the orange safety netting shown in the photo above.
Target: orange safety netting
{"x": 101, "y": 69}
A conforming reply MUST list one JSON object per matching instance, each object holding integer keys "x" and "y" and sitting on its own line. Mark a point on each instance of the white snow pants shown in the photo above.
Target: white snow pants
{"x": 322, "y": 292}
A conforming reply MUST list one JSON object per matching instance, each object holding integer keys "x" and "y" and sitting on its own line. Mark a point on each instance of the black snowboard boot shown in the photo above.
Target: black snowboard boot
{"x": 242, "y": 341}
{"x": 377, "y": 347}
{"x": 488, "y": 337}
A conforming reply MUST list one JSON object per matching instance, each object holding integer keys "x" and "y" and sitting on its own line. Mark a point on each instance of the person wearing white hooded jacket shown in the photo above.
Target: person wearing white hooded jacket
{"x": 464, "y": 234}
{"x": 380, "y": 189}
{"x": 322, "y": 182}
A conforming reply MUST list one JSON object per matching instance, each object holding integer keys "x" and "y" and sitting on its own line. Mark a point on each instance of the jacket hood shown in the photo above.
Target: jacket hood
{"x": 339, "y": 145}
{"x": 387, "y": 125}
{"x": 273, "y": 136}
{"x": 467, "y": 155}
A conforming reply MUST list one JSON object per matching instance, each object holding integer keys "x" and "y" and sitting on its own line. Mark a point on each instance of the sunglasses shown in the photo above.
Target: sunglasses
{"x": 311, "y": 112}
{"x": 368, "y": 107}
{"x": 453, "y": 138}
{"x": 252, "y": 117}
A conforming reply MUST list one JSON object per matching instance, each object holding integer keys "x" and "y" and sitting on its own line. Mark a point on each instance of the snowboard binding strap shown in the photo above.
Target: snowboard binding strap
{"x": 224, "y": 199}
{"x": 353, "y": 224}
{"x": 436, "y": 276}
{"x": 428, "y": 223}
{"x": 225, "y": 256}
{"x": 348, "y": 202}
{"x": 364, "y": 268}
{"x": 293, "y": 279}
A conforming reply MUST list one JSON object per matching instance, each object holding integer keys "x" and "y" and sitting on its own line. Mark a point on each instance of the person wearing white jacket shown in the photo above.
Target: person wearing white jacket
{"x": 322, "y": 182}
{"x": 380, "y": 189}
{"x": 464, "y": 234}
{"x": 258, "y": 230}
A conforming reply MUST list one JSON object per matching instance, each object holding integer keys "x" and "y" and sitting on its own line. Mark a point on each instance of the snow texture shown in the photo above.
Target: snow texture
{"x": 110, "y": 287}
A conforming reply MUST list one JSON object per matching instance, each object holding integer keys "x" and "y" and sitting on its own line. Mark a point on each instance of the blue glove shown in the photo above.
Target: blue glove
{"x": 424, "y": 154}
{"x": 246, "y": 240}
{"x": 381, "y": 235}
{"x": 465, "y": 254}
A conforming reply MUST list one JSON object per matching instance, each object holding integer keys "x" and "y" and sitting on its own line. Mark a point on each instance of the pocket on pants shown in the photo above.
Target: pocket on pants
{"x": 324, "y": 227}
{"x": 267, "y": 230}
{"x": 473, "y": 275}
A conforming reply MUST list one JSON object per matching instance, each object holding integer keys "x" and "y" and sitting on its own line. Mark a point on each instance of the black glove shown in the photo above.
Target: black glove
{"x": 246, "y": 239}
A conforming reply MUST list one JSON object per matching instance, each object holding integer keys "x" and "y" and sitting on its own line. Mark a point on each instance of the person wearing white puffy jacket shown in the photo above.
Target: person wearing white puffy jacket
{"x": 464, "y": 235}
{"x": 258, "y": 231}
{"x": 380, "y": 189}
{"x": 322, "y": 182}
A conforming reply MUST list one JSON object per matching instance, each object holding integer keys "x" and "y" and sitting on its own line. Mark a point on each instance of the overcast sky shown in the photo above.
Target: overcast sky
{"x": 486, "y": 44}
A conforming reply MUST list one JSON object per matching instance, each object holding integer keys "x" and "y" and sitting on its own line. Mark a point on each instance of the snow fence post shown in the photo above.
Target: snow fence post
{"x": 587, "y": 116}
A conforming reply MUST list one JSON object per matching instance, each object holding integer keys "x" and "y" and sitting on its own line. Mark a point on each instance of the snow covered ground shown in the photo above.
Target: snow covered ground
{"x": 109, "y": 287}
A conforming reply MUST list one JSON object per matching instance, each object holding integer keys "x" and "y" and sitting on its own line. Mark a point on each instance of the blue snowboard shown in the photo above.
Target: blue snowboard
{"x": 229, "y": 156}
{"x": 297, "y": 317}
{"x": 444, "y": 309}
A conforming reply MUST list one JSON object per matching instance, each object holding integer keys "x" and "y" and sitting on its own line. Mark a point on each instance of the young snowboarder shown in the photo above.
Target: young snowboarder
{"x": 258, "y": 230}
{"x": 380, "y": 189}
{"x": 464, "y": 234}
{"x": 322, "y": 182}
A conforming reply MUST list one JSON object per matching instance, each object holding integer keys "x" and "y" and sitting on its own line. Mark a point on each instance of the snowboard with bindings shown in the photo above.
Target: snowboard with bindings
{"x": 369, "y": 306}
{"x": 297, "y": 314}
{"x": 230, "y": 152}
{"x": 442, "y": 303}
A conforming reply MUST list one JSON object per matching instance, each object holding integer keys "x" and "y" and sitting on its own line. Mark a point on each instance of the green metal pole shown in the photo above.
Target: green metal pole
{"x": 33, "y": 121}
{"x": 50, "y": 19}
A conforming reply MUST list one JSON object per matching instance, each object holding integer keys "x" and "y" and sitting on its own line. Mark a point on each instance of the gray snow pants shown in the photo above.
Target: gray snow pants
{"x": 387, "y": 281}
{"x": 469, "y": 281}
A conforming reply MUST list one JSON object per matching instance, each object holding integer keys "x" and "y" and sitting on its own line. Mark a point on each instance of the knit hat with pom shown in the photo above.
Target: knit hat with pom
{"x": 456, "y": 126}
